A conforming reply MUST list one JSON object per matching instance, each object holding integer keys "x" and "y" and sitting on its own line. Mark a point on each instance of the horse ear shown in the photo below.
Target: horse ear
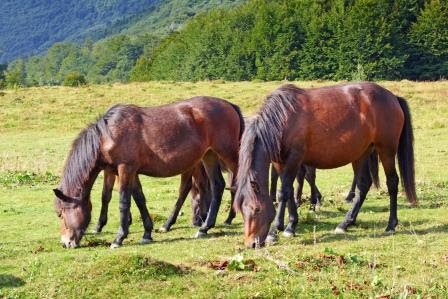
{"x": 59, "y": 194}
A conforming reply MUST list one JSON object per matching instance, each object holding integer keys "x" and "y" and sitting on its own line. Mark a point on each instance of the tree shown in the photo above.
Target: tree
{"x": 3, "y": 68}
{"x": 429, "y": 43}
{"x": 74, "y": 79}
{"x": 15, "y": 75}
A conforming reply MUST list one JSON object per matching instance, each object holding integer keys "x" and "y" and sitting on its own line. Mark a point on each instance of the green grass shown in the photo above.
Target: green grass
{"x": 37, "y": 126}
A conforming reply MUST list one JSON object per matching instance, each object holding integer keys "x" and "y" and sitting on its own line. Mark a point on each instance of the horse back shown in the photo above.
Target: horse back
{"x": 335, "y": 124}
{"x": 170, "y": 139}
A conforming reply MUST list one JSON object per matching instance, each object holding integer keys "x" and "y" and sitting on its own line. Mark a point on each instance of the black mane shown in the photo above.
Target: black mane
{"x": 267, "y": 127}
{"x": 84, "y": 154}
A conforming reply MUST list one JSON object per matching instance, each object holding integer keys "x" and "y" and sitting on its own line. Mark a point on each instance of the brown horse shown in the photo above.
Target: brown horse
{"x": 161, "y": 142}
{"x": 324, "y": 128}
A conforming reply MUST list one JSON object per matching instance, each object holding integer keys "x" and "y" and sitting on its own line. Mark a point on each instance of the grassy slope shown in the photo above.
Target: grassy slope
{"x": 38, "y": 124}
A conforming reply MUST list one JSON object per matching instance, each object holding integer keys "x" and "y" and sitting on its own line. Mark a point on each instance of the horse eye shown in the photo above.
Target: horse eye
{"x": 255, "y": 186}
{"x": 257, "y": 210}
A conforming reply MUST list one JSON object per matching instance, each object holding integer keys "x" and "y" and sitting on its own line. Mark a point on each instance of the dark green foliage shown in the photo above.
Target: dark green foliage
{"x": 3, "y": 68}
{"x": 260, "y": 39}
{"x": 15, "y": 75}
{"x": 303, "y": 39}
{"x": 74, "y": 79}
{"x": 429, "y": 43}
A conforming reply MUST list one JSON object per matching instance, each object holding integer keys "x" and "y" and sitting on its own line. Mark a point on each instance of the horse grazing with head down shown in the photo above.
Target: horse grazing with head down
{"x": 162, "y": 141}
{"x": 324, "y": 128}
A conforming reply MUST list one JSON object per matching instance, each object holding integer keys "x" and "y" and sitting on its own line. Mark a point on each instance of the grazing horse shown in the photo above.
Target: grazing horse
{"x": 161, "y": 141}
{"x": 324, "y": 128}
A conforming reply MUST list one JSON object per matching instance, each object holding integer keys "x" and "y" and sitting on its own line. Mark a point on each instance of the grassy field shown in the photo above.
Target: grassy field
{"x": 37, "y": 126}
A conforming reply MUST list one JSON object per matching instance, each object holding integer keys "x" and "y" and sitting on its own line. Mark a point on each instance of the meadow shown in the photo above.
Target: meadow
{"x": 37, "y": 126}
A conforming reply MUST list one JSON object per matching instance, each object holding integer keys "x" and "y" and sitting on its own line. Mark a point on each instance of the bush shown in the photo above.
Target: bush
{"x": 74, "y": 79}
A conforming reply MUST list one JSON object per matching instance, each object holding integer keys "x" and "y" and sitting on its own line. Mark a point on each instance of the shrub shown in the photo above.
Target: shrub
{"x": 74, "y": 79}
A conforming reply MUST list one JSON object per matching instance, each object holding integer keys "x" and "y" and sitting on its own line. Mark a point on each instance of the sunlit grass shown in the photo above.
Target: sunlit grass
{"x": 37, "y": 126}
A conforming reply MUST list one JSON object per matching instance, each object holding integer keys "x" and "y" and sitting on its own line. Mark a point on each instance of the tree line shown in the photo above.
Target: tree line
{"x": 267, "y": 40}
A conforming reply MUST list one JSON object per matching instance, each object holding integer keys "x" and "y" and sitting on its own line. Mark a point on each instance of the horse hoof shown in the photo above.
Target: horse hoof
{"x": 200, "y": 235}
{"x": 390, "y": 231}
{"x": 114, "y": 246}
{"x": 271, "y": 240}
{"x": 145, "y": 241}
{"x": 95, "y": 232}
{"x": 288, "y": 234}
{"x": 339, "y": 231}
{"x": 227, "y": 223}
{"x": 163, "y": 229}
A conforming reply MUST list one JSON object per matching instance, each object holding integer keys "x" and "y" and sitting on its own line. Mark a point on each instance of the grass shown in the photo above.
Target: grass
{"x": 37, "y": 126}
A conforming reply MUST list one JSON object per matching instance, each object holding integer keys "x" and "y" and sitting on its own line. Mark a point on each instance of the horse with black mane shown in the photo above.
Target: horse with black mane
{"x": 324, "y": 128}
{"x": 162, "y": 141}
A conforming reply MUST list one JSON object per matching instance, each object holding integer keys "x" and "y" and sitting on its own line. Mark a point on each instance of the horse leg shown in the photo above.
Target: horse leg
{"x": 184, "y": 189}
{"x": 217, "y": 185}
{"x": 363, "y": 183}
{"x": 109, "y": 180}
{"x": 140, "y": 201}
{"x": 300, "y": 179}
{"x": 274, "y": 179}
{"x": 351, "y": 194}
{"x": 317, "y": 193}
{"x": 126, "y": 178}
{"x": 388, "y": 161}
{"x": 286, "y": 197}
{"x": 232, "y": 213}
{"x": 310, "y": 176}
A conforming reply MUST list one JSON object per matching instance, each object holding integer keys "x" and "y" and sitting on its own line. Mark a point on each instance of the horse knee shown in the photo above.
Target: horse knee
{"x": 392, "y": 182}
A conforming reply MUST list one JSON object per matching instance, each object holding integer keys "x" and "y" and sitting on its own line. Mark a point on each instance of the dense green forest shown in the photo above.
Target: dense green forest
{"x": 304, "y": 39}
{"x": 260, "y": 39}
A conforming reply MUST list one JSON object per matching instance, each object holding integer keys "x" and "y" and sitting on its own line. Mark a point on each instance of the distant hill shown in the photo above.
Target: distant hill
{"x": 29, "y": 27}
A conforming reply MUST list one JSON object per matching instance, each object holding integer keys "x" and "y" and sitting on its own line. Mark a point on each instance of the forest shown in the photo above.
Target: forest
{"x": 261, "y": 40}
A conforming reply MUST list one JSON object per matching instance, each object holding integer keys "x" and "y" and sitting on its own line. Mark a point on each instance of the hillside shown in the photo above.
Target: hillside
{"x": 29, "y": 27}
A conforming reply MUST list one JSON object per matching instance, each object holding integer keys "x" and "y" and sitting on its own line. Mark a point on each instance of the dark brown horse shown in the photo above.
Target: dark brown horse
{"x": 161, "y": 142}
{"x": 323, "y": 128}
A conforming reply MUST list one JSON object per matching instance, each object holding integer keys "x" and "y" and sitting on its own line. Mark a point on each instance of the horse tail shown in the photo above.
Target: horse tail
{"x": 406, "y": 154}
{"x": 373, "y": 168}
{"x": 240, "y": 115}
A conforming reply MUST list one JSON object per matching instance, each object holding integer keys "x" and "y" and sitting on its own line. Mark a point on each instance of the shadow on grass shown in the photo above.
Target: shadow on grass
{"x": 10, "y": 281}
{"x": 359, "y": 235}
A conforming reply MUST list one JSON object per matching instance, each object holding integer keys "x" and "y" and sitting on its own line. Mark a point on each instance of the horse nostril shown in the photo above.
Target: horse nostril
{"x": 254, "y": 245}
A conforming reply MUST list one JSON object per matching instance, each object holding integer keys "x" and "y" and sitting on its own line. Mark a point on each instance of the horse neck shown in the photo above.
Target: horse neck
{"x": 82, "y": 191}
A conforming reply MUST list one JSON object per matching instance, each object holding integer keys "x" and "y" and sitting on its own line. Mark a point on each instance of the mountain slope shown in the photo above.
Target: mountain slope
{"x": 32, "y": 26}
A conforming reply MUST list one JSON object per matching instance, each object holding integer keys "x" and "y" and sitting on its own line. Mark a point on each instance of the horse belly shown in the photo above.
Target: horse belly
{"x": 173, "y": 158}
{"x": 332, "y": 148}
